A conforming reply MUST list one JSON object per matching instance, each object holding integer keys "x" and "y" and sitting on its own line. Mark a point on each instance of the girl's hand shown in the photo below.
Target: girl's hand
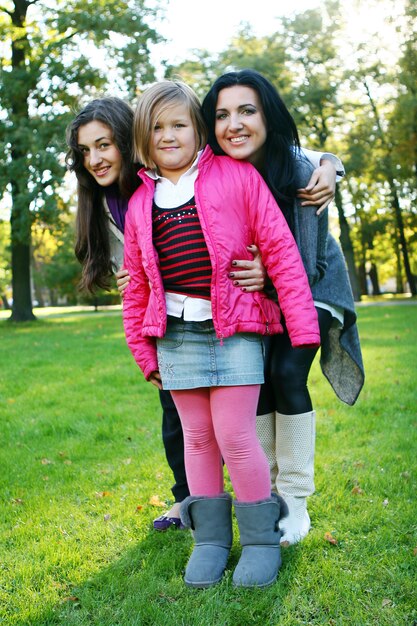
{"x": 155, "y": 379}
{"x": 122, "y": 280}
{"x": 252, "y": 275}
{"x": 321, "y": 187}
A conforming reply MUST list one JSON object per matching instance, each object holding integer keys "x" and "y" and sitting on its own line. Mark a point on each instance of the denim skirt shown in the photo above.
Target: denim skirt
{"x": 190, "y": 356}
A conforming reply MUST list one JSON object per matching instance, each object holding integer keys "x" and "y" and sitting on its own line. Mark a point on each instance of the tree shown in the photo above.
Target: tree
{"x": 389, "y": 170}
{"x": 47, "y": 63}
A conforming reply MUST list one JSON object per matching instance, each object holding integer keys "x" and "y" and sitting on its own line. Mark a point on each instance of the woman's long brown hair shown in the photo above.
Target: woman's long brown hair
{"x": 92, "y": 246}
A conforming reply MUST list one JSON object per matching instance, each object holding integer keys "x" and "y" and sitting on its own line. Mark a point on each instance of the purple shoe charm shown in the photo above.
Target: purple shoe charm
{"x": 163, "y": 522}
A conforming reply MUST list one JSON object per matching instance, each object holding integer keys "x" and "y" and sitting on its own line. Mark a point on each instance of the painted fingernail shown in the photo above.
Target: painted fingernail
{"x": 243, "y": 288}
{"x": 235, "y": 282}
{"x": 234, "y": 263}
{"x": 231, "y": 275}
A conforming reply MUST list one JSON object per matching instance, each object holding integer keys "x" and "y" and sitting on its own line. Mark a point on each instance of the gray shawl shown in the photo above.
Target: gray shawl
{"x": 340, "y": 353}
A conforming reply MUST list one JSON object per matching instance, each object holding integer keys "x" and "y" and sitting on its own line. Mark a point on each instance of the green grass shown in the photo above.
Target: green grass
{"x": 81, "y": 457}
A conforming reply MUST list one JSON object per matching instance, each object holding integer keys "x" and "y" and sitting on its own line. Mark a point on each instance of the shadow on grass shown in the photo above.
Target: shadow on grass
{"x": 145, "y": 587}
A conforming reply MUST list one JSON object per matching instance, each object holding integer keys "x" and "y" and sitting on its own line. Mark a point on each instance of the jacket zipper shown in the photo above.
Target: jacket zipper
{"x": 206, "y": 232}
{"x": 264, "y": 316}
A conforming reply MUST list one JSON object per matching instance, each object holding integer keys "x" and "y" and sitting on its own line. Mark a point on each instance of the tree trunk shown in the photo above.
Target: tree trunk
{"x": 20, "y": 213}
{"x": 5, "y": 301}
{"x": 398, "y": 268}
{"x": 36, "y": 282}
{"x": 402, "y": 241}
{"x": 373, "y": 275}
{"x": 361, "y": 273}
{"x": 53, "y": 299}
{"x": 362, "y": 279}
{"x": 347, "y": 247}
{"x": 22, "y": 300}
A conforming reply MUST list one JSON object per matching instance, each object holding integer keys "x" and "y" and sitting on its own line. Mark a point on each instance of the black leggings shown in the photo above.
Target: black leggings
{"x": 173, "y": 440}
{"x": 286, "y": 372}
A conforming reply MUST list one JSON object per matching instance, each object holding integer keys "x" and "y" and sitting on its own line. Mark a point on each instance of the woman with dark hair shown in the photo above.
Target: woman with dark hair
{"x": 106, "y": 179}
{"x": 100, "y": 153}
{"x": 249, "y": 121}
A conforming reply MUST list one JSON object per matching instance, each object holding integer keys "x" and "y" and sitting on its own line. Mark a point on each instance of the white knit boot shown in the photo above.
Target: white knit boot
{"x": 295, "y": 443}
{"x": 265, "y": 429}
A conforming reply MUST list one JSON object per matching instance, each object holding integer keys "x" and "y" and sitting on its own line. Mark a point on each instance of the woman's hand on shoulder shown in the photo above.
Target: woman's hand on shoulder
{"x": 321, "y": 187}
{"x": 122, "y": 280}
{"x": 249, "y": 275}
{"x": 155, "y": 379}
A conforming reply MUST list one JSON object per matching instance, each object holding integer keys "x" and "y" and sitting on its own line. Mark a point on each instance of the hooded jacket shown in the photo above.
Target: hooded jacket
{"x": 236, "y": 209}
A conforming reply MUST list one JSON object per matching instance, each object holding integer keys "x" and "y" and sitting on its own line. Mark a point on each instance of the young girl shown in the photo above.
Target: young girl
{"x": 192, "y": 332}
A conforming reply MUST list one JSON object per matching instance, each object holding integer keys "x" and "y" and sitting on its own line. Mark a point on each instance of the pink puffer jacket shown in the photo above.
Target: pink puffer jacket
{"x": 236, "y": 209}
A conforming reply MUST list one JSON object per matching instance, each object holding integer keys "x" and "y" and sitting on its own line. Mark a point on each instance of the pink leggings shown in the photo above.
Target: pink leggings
{"x": 220, "y": 423}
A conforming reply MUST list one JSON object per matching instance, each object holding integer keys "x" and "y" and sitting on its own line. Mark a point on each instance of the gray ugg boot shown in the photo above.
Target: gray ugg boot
{"x": 260, "y": 536}
{"x": 210, "y": 519}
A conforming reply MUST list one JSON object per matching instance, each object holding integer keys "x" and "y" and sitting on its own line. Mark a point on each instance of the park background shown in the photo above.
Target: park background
{"x": 83, "y": 467}
{"x": 346, "y": 70}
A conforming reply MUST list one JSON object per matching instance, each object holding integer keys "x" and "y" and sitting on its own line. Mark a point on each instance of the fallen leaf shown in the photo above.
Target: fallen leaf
{"x": 415, "y": 551}
{"x": 357, "y": 490}
{"x": 46, "y": 461}
{"x": 67, "y": 462}
{"x": 139, "y": 507}
{"x": 70, "y": 599}
{"x": 107, "y": 517}
{"x": 329, "y": 537}
{"x": 45, "y": 477}
{"x": 386, "y": 602}
{"x": 405, "y": 475}
{"x": 17, "y": 501}
{"x": 103, "y": 494}
{"x": 156, "y": 501}
{"x": 127, "y": 461}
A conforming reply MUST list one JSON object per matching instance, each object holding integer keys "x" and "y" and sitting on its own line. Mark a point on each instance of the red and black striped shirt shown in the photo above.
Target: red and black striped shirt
{"x": 183, "y": 256}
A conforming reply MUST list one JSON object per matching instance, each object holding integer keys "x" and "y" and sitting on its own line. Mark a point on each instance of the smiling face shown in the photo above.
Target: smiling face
{"x": 102, "y": 158}
{"x": 240, "y": 125}
{"x": 173, "y": 143}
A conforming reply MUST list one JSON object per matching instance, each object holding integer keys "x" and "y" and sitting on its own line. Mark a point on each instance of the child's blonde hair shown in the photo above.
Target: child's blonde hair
{"x": 154, "y": 101}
